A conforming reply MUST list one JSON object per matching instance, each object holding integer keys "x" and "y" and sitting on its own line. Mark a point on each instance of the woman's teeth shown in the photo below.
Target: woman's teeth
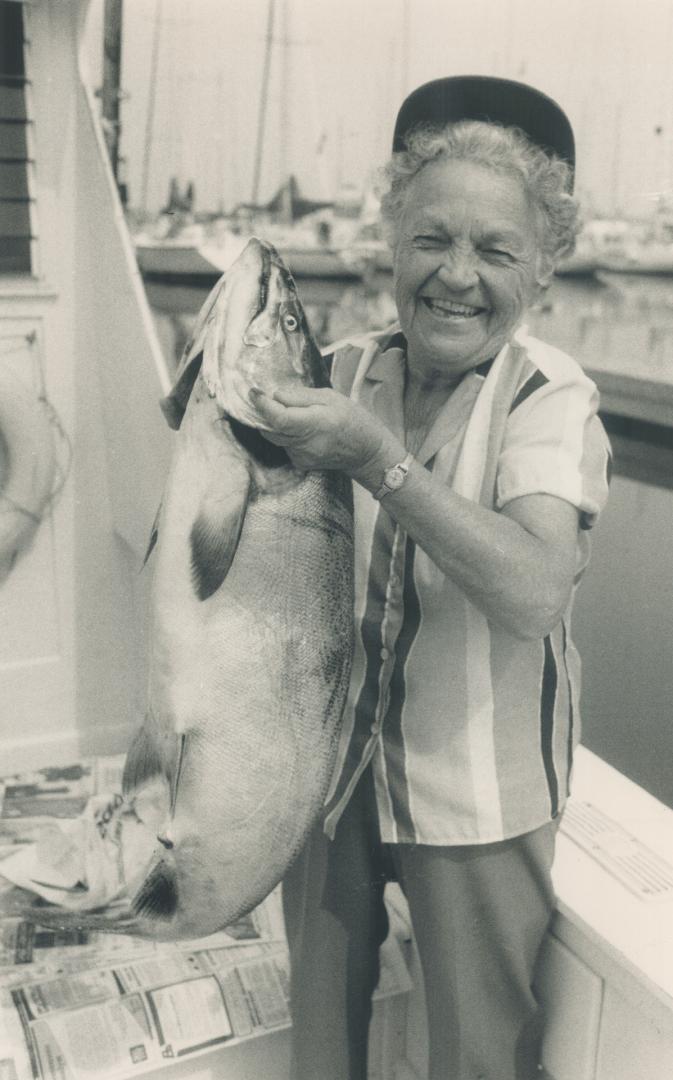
{"x": 450, "y": 309}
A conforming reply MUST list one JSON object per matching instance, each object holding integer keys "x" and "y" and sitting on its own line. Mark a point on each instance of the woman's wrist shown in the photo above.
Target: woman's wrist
{"x": 387, "y": 451}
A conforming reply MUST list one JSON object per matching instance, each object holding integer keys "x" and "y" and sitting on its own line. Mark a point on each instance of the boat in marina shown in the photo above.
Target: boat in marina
{"x": 640, "y": 257}
{"x": 181, "y": 262}
{"x": 178, "y": 261}
{"x": 311, "y": 238}
{"x": 582, "y": 263}
{"x": 633, "y": 247}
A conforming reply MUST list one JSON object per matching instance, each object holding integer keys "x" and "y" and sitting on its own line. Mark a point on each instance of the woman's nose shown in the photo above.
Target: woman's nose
{"x": 458, "y": 269}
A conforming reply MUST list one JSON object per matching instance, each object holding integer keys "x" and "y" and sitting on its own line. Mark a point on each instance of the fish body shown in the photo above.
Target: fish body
{"x": 251, "y": 632}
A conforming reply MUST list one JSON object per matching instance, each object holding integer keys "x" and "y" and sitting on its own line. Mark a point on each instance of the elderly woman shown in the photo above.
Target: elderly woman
{"x": 479, "y": 463}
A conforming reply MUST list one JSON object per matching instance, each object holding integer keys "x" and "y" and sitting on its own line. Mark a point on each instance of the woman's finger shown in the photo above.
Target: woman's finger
{"x": 299, "y": 396}
{"x": 271, "y": 411}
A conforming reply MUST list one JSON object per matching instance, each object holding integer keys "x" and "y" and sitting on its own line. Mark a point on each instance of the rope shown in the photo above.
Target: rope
{"x": 62, "y": 468}
{"x": 63, "y": 449}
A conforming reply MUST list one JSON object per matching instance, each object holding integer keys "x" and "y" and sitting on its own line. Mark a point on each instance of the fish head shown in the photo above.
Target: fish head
{"x": 258, "y": 335}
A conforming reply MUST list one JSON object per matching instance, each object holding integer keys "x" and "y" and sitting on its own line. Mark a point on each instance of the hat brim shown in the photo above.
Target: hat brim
{"x": 484, "y": 97}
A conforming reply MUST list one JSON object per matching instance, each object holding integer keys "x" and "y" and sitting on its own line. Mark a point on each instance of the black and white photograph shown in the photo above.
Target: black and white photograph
{"x": 336, "y": 504}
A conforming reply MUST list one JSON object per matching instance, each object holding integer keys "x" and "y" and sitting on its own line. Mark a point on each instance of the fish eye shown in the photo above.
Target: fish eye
{"x": 290, "y": 322}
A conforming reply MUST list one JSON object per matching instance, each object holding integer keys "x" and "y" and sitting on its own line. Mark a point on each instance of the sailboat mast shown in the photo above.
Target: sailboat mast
{"x": 284, "y": 94}
{"x": 149, "y": 122}
{"x": 111, "y": 90}
{"x": 404, "y": 62}
{"x": 263, "y": 102}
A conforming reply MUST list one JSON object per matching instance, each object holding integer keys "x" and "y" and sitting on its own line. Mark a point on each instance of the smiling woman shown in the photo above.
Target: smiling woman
{"x": 467, "y": 265}
{"x": 478, "y": 464}
{"x": 458, "y": 212}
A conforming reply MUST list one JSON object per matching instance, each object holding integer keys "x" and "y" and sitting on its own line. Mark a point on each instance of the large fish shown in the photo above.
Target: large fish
{"x": 251, "y": 630}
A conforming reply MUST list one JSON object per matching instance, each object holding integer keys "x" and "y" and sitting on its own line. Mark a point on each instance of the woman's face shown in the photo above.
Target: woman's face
{"x": 466, "y": 264}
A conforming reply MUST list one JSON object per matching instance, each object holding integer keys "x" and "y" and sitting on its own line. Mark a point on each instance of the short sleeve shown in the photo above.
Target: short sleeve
{"x": 555, "y": 444}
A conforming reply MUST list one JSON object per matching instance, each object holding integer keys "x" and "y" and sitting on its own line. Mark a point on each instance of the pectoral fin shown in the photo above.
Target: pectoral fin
{"x": 214, "y": 538}
{"x": 154, "y": 758}
{"x": 174, "y": 404}
{"x": 145, "y": 760}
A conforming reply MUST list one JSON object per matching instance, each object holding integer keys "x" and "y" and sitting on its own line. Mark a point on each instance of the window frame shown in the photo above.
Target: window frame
{"x": 23, "y": 79}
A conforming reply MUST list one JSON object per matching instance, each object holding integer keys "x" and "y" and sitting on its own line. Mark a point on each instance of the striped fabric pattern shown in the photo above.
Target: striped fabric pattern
{"x": 469, "y": 729}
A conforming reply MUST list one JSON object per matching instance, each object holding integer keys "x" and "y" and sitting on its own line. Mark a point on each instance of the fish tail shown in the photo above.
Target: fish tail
{"x": 157, "y": 897}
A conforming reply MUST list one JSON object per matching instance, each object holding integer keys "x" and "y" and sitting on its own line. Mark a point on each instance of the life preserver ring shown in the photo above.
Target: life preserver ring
{"x": 27, "y": 467}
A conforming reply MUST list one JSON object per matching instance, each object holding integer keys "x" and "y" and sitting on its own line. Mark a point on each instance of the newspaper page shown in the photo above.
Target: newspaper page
{"x": 122, "y": 1021}
{"x": 76, "y": 1004}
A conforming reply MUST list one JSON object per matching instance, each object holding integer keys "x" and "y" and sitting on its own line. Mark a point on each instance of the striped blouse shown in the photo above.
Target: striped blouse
{"x": 470, "y": 730}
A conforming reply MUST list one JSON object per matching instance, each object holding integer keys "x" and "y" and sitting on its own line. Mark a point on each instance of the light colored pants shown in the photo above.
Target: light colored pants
{"x": 479, "y": 915}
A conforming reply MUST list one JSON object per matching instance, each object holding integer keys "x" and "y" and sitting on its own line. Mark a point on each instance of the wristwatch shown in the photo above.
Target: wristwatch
{"x": 394, "y": 477}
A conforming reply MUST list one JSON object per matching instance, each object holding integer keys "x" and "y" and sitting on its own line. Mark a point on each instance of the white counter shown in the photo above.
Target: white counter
{"x": 607, "y": 974}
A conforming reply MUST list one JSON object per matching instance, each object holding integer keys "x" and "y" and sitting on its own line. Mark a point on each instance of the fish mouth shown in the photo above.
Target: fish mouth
{"x": 269, "y": 260}
{"x": 264, "y": 276}
{"x": 258, "y": 337}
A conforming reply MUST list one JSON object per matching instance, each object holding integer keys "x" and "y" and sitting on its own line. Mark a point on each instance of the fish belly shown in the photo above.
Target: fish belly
{"x": 258, "y": 686}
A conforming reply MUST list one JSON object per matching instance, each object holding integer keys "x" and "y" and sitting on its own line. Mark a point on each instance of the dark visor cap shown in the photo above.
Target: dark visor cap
{"x": 483, "y": 97}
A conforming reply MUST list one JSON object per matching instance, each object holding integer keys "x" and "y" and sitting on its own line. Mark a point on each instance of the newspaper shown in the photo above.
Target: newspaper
{"x": 76, "y": 1005}
{"x": 68, "y": 835}
{"x": 126, "y": 1019}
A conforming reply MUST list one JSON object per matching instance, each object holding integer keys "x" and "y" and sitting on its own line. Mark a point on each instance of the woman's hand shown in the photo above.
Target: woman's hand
{"x": 516, "y": 565}
{"x": 322, "y": 429}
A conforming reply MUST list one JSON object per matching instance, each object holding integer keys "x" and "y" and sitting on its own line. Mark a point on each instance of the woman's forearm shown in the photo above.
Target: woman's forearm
{"x": 516, "y": 566}
{"x": 518, "y": 579}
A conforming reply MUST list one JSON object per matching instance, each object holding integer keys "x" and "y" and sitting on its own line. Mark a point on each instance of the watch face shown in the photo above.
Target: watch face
{"x": 395, "y": 477}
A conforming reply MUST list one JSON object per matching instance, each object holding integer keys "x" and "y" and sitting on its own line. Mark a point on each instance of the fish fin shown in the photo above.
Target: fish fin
{"x": 213, "y": 542}
{"x": 145, "y": 759}
{"x": 157, "y": 897}
{"x": 153, "y": 760}
{"x": 154, "y": 535}
{"x": 173, "y": 406}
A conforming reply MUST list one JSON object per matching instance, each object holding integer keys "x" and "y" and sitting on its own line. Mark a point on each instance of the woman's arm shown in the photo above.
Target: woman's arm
{"x": 517, "y": 566}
